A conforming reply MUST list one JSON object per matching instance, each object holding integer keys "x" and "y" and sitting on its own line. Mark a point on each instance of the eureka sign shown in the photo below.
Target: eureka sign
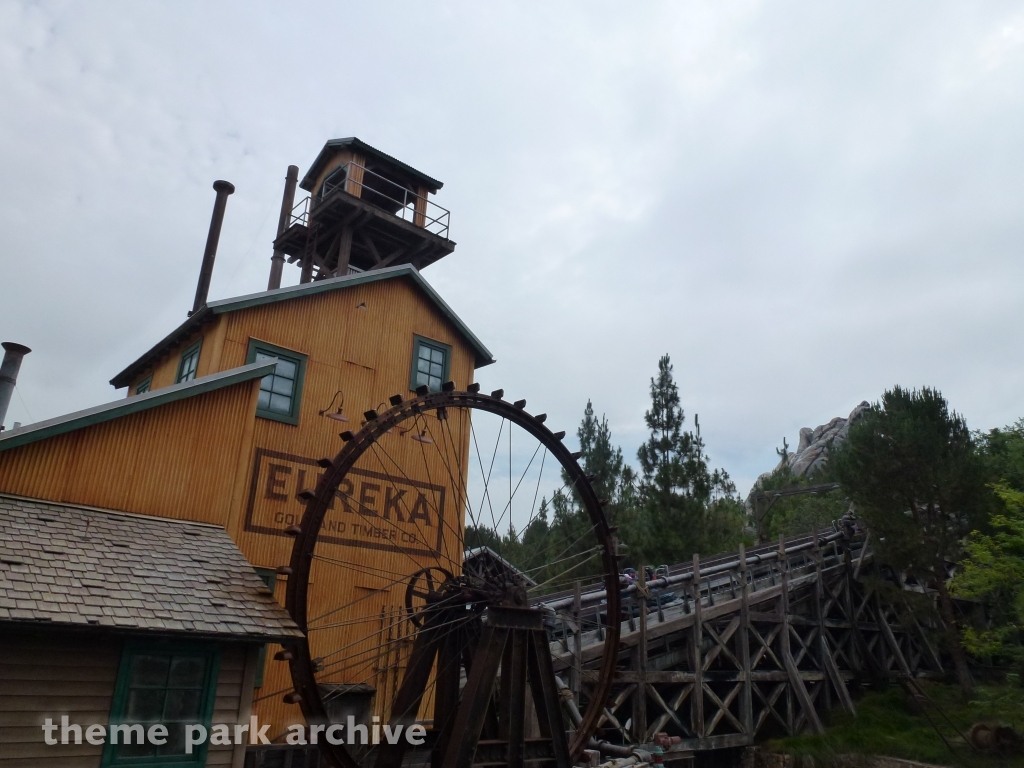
{"x": 370, "y": 509}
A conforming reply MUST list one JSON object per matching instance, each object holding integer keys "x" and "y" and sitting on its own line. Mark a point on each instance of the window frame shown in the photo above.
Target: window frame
{"x": 417, "y": 342}
{"x": 147, "y": 383}
{"x": 120, "y": 701}
{"x": 290, "y": 355}
{"x": 197, "y": 348}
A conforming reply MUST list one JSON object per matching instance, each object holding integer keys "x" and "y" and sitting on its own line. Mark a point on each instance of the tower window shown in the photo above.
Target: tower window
{"x": 431, "y": 362}
{"x": 189, "y": 363}
{"x": 144, "y": 386}
{"x": 280, "y": 391}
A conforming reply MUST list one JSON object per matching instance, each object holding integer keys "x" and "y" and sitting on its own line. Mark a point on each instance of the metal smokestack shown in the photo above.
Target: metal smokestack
{"x": 13, "y": 353}
{"x": 277, "y": 260}
{"x": 223, "y": 189}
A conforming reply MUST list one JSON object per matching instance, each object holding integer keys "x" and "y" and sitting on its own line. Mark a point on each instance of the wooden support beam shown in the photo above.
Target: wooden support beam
{"x": 696, "y": 642}
{"x": 819, "y": 614}
{"x": 890, "y": 639}
{"x": 837, "y": 679}
{"x": 795, "y": 681}
{"x": 746, "y": 702}
{"x": 640, "y": 662}
{"x": 476, "y": 697}
{"x": 575, "y": 675}
{"x": 344, "y": 251}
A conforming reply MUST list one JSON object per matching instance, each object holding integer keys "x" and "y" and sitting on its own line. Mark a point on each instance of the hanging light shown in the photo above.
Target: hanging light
{"x": 337, "y": 415}
{"x": 423, "y": 437}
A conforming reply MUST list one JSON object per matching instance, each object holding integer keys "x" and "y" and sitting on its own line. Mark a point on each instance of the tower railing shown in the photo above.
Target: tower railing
{"x": 357, "y": 180}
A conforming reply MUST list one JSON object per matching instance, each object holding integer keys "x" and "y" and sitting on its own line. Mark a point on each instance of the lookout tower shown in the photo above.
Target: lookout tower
{"x": 365, "y": 210}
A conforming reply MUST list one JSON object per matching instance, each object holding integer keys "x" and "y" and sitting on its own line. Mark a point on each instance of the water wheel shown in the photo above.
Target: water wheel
{"x": 413, "y": 575}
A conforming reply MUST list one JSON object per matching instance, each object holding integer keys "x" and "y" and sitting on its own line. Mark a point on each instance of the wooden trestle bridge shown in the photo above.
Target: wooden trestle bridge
{"x": 752, "y": 644}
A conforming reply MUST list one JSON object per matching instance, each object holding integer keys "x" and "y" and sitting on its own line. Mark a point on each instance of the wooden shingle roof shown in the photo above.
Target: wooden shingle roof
{"x": 63, "y": 565}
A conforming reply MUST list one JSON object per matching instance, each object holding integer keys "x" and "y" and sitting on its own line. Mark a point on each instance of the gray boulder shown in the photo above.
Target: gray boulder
{"x": 812, "y": 450}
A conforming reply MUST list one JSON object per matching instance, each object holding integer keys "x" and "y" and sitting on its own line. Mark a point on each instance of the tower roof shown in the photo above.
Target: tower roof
{"x": 352, "y": 142}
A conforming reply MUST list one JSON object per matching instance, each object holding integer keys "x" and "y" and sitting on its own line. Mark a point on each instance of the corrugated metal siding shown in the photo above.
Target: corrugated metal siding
{"x": 166, "y": 369}
{"x": 359, "y": 341}
{"x": 175, "y": 461}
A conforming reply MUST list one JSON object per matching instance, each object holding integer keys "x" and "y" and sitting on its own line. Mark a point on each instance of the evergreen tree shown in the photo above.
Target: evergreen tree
{"x": 914, "y": 472}
{"x": 686, "y": 507}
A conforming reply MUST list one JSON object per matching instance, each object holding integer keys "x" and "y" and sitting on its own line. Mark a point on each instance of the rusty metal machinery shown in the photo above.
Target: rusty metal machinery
{"x": 434, "y": 623}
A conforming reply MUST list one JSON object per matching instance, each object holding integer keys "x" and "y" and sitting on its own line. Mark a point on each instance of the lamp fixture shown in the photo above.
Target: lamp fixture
{"x": 337, "y": 415}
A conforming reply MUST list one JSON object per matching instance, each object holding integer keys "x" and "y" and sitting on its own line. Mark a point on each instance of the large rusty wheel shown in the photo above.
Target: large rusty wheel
{"x": 435, "y": 500}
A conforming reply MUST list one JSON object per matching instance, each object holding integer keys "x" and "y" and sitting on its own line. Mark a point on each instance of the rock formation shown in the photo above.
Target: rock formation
{"x": 812, "y": 451}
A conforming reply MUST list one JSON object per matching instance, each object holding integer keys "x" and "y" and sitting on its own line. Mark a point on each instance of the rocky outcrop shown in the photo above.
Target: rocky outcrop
{"x": 812, "y": 450}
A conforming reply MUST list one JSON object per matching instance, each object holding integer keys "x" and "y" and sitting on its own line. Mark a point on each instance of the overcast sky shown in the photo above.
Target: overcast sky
{"x": 803, "y": 203}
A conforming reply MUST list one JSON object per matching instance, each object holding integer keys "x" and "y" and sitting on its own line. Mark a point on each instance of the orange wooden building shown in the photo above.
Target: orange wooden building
{"x": 226, "y": 416}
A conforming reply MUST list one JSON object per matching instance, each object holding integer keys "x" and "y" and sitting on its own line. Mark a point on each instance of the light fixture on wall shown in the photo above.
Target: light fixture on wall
{"x": 337, "y": 415}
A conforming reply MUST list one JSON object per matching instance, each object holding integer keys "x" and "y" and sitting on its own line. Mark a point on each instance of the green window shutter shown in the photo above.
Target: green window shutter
{"x": 269, "y": 577}
{"x": 169, "y": 683}
{"x": 280, "y": 395}
{"x": 189, "y": 364}
{"x": 431, "y": 363}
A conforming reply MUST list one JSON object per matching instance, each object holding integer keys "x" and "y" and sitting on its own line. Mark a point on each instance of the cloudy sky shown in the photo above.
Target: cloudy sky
{"x": 803, "y": 203}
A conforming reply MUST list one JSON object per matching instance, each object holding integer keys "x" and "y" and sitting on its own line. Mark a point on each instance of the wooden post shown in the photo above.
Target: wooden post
{"x": 344, "y": 251}
{"x": 697, "y": 635}
{"x": 796, "y": 681}
{"x": 419, "y": 217}
{"x": 747, "y": 702}
{"x": 819, "y": 613}
{"x": 640, "y": 659}
{"x": 576, "y": 674}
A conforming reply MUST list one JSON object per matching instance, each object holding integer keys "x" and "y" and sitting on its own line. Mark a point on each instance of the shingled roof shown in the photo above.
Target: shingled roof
{"x": 74, "y": 566}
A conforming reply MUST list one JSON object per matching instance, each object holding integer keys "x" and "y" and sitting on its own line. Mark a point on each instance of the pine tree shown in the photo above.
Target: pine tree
{"x": 913, "y": 469}
{"x": 686, "y": 508}
{"x": 599, "y": 458}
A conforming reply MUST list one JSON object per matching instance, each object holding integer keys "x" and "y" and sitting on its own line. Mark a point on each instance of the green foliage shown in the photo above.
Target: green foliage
{"x": 914, "y": 472}
{"x": 888, "y": 724}
{"x": 993, "y": 572}
{"x": 683, "y": 507}
{"x": 559, "y": 549}
{"x": 1003, "y": 452}
{"x": 917, "y": 479}
{"x": 796, "y": 515}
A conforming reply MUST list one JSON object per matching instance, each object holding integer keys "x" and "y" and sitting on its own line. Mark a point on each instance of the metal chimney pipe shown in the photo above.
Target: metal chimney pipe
{"x": 277, "y": 260}
{"x": 223, "y": 189}
{"x": 13, "y": 354}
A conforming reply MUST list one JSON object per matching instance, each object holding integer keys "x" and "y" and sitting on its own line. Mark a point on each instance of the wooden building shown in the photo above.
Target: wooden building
{"x": 177, "y": 642}
{"x": 226, "y": 416}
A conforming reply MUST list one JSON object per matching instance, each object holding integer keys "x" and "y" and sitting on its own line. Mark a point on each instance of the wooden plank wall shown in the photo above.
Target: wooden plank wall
{"x": 359, "y": 341}
{"x": 50, "y": 674}
{"x": 176, "y": 461}
{"x": 197, "y": 459}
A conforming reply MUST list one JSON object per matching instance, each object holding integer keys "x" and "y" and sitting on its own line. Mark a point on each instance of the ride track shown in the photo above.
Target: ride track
{"x": 757, "y": 644}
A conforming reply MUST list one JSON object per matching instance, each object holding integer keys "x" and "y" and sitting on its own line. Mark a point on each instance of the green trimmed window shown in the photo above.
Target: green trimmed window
{"x": 431, "y": 363}
{"x": 143, "y": 386}
{"x": 172, "y": 685}
{"x": 281, "y": 391}
{"x": 189, "y": 363}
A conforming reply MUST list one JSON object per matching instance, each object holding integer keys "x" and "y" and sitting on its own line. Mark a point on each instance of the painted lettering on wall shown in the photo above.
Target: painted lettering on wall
{"x": 370, "y": 509}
